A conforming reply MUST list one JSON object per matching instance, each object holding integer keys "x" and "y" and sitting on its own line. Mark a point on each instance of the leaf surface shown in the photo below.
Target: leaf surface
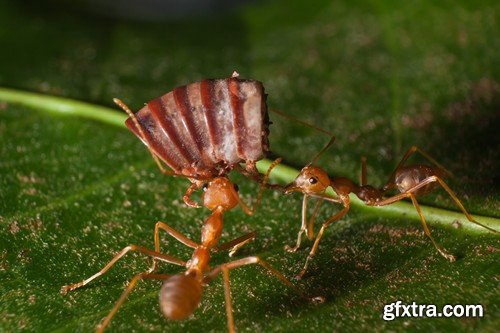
{"x": 75, "y": 187}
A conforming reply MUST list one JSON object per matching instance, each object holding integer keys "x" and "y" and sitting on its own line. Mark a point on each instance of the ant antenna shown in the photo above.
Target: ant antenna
{"x": 325, "y": 148}
{"x": 300, "y": 122}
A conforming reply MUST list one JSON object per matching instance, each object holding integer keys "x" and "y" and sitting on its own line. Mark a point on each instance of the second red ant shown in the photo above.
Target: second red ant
{"x": 411, "y": 181}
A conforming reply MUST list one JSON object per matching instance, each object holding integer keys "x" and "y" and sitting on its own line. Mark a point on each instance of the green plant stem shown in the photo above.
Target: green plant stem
{"x": 282, "y": 173}
{"x": 435, "y": 216}
{"x": 62, "y": 106}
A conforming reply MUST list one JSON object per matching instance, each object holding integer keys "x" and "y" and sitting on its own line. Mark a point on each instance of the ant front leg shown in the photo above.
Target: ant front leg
{"x": 306, "y": 226}
{"x": 332, "y": 219}
{"x": 151, "y": 253}
{"x": 303, "y": 227}
{"x": 172, "y": 232}
{"x": 187, "y": 196}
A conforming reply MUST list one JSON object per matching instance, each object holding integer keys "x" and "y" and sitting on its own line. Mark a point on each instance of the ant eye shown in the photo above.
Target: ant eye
{"x": 236, "y": 188}
{"x": 313, "y": 180}
{"x": 205, "y": 187}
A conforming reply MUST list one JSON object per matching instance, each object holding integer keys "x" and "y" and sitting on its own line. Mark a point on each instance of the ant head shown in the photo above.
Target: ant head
{"x": 310, "y": 180}
{"x": 220, "y": 192}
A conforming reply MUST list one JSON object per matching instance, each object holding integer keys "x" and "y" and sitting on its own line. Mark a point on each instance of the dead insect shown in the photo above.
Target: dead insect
{"x": 181, "y": 293}
{"x": 205, "y": 129}
{"x": 410, "y": 180}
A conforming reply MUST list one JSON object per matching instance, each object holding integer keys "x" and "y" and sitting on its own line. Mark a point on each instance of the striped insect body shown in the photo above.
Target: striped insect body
{"x": 203, "y": 129}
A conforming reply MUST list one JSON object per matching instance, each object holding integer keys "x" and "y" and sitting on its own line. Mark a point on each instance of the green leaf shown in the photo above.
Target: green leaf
{"x": 75, "y": 188}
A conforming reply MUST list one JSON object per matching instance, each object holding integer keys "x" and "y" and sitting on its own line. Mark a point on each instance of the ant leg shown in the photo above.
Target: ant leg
{"x": 227, "y": 286}
{"x": 245, "y": 208}
{"x": 445, "y": 187}
{"x": 245, "y": 172}
{"x": 187, "y": 196}
{"x": 461, "y": 206}
{"x": 252, "y": 172}
{"x": 332, "y": 219}
{"x": 306, "y": 226}
{"x": 250, "y": 261}
{"x": 236, "y": 243}
{"x": 325, "y": 197}
{"x": 154, "y": 254}
{"x": 409, "y": 194}
{"x": 131, "y": 285}
{"x": 310, "y": 224}
{"x": 438, "y": 247}
{"x": 172, "y": 232}
{"x": 228, "y": 301}
{"x": 433, "y": 161}
{"x": 303, "y": 227}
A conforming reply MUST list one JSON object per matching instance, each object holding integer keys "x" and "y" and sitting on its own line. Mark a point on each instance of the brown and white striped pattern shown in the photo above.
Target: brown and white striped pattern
{"x": 205, "y": 127}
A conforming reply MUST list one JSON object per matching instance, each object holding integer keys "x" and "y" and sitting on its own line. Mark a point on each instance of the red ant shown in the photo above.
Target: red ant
{"x": 205, "y": 129}
{"x": 410, "y": 180}
{"x": 181, "y": 293}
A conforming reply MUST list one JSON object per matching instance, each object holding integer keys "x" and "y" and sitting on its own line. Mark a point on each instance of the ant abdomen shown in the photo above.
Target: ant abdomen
{"x": 180, "y": 295}
{"x": 409, "y": 176}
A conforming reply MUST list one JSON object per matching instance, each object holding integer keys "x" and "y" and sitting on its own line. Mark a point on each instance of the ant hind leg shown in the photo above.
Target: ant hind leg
{"x": 461, "y": 206}
{"x": 438, "y": 247}
{"x": 121, "y": 300}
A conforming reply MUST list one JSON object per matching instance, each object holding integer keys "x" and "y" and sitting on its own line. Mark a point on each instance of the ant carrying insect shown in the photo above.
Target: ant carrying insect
{"x": 181, "y": 293}
{"x": 411, "y": 181}
{"x": 205, "y": 129}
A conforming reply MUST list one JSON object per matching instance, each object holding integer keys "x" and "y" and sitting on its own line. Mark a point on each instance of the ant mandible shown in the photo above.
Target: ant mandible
{"x": 181, "y": 293}
{"x": 411, "y": 181}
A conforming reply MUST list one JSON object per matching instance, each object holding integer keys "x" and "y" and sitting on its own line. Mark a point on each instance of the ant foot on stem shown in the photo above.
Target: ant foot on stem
{"x": 291, "y": 249}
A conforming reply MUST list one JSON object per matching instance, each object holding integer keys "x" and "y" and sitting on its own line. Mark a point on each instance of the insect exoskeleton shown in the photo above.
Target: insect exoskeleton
{"x": 180, "y": 295}
{"x": 205, "y": 129}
